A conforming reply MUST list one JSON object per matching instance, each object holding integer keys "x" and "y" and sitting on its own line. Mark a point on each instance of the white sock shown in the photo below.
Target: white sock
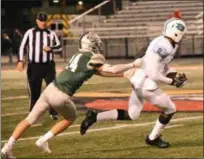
{"x": 108, "y": 115}
{"x": 47, "y": 136}
{"x": 156, "y": 131}
{"x": 11, "y": 142}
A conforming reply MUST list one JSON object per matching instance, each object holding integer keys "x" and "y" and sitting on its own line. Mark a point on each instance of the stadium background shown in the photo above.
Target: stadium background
{"x": 126, "y": 28}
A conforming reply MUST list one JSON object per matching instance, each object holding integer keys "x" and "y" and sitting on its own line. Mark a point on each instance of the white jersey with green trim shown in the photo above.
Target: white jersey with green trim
{"x": 158, "y": 55}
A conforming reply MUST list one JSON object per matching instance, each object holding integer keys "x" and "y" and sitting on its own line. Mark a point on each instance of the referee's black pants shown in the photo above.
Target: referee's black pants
{"x": 36, "y": 72}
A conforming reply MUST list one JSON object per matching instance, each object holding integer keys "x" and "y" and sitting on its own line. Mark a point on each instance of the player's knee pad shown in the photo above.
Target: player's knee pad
{"x": 134, "y": 113}
{"x": 165, "y": 118}
{"x": 123, "y": 115}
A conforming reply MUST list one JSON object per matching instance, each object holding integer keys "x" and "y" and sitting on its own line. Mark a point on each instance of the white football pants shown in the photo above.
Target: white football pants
{"x": 157, "y": 97}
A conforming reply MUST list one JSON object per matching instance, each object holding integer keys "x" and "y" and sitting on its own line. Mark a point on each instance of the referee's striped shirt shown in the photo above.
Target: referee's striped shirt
{"x": 33, "y": 42}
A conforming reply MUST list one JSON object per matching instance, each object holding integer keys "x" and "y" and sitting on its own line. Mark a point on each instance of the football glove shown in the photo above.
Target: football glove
{"x": 179, "y": 80}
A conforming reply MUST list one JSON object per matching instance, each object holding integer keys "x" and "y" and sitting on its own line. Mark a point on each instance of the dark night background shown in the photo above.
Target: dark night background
{"x": 19, "y": 13}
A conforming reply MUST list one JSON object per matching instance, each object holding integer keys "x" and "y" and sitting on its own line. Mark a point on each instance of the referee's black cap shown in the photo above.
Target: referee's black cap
{"x": 42, "y": 16}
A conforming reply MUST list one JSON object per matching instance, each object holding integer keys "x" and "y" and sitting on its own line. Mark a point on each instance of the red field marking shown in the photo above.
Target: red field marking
{"x": 181, "y": 105}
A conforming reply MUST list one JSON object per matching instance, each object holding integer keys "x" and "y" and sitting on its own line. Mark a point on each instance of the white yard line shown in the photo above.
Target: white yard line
{"x": 17, "y": 97}
{"x": 173, "y": 126}
{"x": 35, "y": 125}
{"x": 73, "y": 126}
{"x": 170, "y": 126}
{"x": 11, "y": 114}
{"x": 113, "y": 128}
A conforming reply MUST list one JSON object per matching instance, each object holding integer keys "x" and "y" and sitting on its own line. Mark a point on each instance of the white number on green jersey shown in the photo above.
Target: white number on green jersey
{"x": 73, "y": 64}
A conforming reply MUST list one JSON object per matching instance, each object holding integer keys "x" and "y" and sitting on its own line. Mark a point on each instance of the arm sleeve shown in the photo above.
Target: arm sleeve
{"x": 57, "y": 46}
{"x": 23, "y": 45}
{"x": 107, "y": 74}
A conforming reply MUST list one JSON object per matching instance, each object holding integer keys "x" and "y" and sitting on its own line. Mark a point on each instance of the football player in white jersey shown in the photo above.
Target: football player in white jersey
{"x": 145, "y": 82}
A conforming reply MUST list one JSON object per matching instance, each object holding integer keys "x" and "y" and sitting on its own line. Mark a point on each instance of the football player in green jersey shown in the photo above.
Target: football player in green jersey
{"x": 82, "y": 66}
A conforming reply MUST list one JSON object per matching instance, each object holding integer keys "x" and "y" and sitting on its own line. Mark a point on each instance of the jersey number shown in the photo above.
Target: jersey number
{"x": 159, "y": 50}
{"x": 74, "y": 62}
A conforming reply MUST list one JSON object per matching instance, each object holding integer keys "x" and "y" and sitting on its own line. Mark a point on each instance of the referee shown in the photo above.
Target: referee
{"x": 39, "y": 43}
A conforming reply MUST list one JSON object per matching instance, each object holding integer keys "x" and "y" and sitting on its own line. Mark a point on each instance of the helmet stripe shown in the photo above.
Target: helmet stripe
{"x": 81, "y": 38}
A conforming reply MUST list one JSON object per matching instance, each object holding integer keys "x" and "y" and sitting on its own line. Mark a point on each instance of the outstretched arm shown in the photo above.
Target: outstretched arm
{"x": 106, "y": 74}
{"x": 117, "y": 70}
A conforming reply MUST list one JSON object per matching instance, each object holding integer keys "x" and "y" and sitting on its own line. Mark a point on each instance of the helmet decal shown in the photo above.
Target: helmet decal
{"x": 81, "y": 38}
{"x": 175, "y": 27}
{"x": 180, "y": 26}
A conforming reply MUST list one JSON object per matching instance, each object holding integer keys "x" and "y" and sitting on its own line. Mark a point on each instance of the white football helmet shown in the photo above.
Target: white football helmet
{"x": 90, "y": 42}
{"x": 175, "y": 29}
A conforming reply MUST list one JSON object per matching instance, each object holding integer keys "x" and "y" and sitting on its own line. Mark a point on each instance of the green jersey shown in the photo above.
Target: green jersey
{"x": 75, "y": 73}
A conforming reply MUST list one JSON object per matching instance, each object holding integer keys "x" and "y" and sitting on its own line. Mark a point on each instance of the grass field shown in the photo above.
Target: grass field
{"x": 109, "y": 139}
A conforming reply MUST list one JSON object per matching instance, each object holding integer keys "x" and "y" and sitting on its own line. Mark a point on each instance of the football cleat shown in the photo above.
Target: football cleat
{"x": 43, "y": 145}
{"x": 88, "y": 121}
{"x": 6, "y": 153}
{"x": 158, "y": 142}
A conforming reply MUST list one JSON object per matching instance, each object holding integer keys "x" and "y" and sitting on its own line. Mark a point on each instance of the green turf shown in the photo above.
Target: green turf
{"x": 124, "y": 142}
{"x": 186, "y": 140}
{"x": 96, "y": 83}
{"x": 128, "y": 142}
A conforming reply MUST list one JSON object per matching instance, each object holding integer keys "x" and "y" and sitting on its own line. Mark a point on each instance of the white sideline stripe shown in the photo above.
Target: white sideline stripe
{"x": 170, "y": 126}
{"x": 112, "y": 128}
{"x": 173, "y": 126}
{"x": 35, "y": 125}
{"x": 73, "y": 126}
{"x": 18, "y": 97}
{"x": 10, "y": 114}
